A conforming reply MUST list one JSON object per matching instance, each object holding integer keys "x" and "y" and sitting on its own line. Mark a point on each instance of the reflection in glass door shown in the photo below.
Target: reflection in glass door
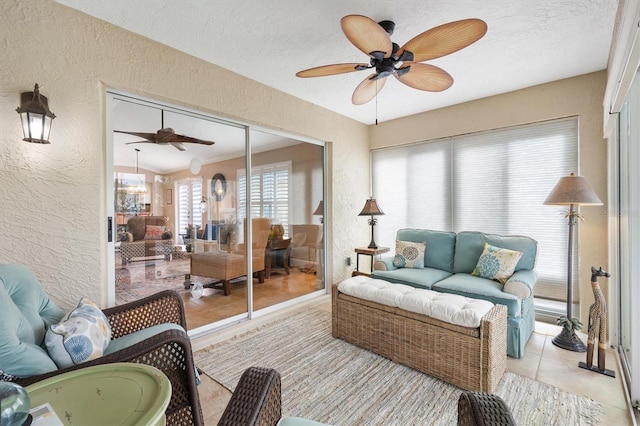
{"x": 286, "y": 186}
{"x": 228, "y": 240}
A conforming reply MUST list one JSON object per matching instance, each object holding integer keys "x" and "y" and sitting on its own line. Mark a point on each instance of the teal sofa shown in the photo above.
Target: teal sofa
{"x": 449, "y": 260}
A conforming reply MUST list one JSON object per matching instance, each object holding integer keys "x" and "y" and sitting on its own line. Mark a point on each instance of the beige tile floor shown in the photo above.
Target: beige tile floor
{"x": 543, "y": 361}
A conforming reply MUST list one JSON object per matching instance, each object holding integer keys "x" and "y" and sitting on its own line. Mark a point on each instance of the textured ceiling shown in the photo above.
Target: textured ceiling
{"x": 527, "y": 43}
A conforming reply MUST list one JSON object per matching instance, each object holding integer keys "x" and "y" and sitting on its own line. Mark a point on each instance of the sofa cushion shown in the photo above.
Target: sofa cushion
{"x": 423, "y": 278}
{"x": 496, "y": 263}
{"x": 469, "y": 247}
{"x": 440, "y": 246}
{"x": 480, "y": 288}
{"x": 409, "y": 254}
{"x": 83, "y": 335}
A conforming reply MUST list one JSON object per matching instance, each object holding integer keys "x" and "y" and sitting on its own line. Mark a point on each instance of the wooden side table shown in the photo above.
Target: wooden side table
{"x": 273, "y": 247}
{"x": 108, "y": 394}
{"x": 366, "y": 251}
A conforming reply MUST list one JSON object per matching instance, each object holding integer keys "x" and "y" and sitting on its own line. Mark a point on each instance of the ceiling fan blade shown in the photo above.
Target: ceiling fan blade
{"x": 178, "y": 146}
{"x": 147, "y": 141}
{"x": 367, "y": 90}
{"x": 445, "y": 39}
{"x": 148, "y": 136}
{"x": 425, "y": 77}
{"x": 331, "y": 70}
{"x": 366, "y": 34}
{"x": 168, "y": 135}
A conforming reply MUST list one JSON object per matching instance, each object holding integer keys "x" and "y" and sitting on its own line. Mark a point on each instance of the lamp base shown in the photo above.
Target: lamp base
{"x": 569, "y": 340}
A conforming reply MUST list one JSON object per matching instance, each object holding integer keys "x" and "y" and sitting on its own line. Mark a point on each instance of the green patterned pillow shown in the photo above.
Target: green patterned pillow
{"x": 409, "y": 255}
{"x": 496, "y": 263}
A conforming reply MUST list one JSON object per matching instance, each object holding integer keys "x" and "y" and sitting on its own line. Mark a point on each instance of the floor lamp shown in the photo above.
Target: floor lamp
{"x": 571, "y": 191}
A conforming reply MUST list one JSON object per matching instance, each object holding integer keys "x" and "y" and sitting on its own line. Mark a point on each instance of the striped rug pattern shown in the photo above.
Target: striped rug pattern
{"x": 332, "y": 381}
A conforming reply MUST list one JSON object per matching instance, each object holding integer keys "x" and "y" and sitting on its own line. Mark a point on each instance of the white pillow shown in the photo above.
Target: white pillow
{"x": 81, "y": 336}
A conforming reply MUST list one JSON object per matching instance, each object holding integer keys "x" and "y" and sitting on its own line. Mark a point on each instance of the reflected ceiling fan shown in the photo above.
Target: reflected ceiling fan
{"x": 165, "y": 136}
{"x": 404, "y": 63}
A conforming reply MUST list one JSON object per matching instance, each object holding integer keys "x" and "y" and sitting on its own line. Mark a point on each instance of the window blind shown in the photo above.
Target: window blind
{"x": 492, "y": 182}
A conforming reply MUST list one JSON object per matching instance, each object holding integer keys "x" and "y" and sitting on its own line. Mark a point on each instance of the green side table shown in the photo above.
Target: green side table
{"x": 109, "y": 394}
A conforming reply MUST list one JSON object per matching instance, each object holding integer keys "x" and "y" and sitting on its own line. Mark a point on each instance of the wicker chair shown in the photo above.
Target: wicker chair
{"x": 483, "y": 409}
{"x": 166, "y": 347}
{"x": 256, "y": 400}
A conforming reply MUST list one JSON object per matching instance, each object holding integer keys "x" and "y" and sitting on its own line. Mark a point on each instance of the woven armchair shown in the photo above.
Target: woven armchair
{"x": 168, "y": 350}
{"x": 483, "y": 409}
{"x": 256, "y": 400}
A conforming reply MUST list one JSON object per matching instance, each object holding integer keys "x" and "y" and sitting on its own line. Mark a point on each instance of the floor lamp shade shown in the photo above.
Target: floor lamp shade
{"x": 571, "y": 191}
{"x": 574, "y": 190}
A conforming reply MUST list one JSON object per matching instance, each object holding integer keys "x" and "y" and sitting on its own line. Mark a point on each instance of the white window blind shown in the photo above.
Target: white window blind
{"x": 270, "y": 192}
{"x": 188, "y": 199}
{"x": 492, "y": 182}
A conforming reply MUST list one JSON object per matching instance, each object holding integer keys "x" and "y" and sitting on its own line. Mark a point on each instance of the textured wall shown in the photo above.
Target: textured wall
{"x": 52, "y": 197}
{"x": 579, "y": 96}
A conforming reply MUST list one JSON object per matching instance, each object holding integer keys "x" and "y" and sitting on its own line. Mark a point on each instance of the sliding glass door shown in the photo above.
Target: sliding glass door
{"x": 628, "y": 238}
{"x": 235, "y": 235}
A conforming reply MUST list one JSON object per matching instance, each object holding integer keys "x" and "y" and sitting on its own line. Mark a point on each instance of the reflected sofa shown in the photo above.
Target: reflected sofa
{"x": 146, "y": 236}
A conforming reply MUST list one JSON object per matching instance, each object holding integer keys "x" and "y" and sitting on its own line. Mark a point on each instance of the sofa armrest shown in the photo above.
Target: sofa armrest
{"x": 384, "y": 264}
{"x": 521, "y": 283}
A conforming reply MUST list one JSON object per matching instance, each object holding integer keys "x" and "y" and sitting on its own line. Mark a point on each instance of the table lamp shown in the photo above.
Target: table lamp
{"x": 371, "y": 209}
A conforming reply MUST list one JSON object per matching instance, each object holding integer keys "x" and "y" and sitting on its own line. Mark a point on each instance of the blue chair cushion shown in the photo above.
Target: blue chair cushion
{"x": 26, "y": 313}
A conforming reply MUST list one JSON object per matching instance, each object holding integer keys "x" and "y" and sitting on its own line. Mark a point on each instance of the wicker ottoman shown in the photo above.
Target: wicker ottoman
{"x": 473, "y": 358}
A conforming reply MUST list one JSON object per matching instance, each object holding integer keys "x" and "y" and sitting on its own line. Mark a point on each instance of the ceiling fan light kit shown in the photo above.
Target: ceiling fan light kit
{"x": 404, "y": 63}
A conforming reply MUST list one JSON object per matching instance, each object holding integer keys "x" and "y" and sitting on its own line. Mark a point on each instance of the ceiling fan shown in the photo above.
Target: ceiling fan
{"x": 404, "y": 63}
{"x": 165, "y": 136}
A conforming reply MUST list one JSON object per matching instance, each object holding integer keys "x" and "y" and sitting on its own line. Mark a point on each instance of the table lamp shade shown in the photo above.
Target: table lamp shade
{"x": 572, "y": 189}
{"x": 320, "y": 209}
{"x": 371, "y": 208}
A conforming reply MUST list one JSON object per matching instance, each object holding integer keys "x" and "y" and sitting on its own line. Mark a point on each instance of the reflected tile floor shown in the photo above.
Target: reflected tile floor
{"x": 543, "y": 361}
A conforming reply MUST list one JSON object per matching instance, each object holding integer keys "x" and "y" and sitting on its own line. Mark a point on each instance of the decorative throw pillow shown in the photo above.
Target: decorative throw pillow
{"x": 81, "y": 336}
{"x": 496, "y": 263}
{"x": 409, "y": 254}
{"x": 154, "y": 232}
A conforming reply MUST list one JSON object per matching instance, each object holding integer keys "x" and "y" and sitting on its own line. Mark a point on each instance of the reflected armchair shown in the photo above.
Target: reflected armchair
{"x": 148, "y": 331}
{"x": 224, "y": 266}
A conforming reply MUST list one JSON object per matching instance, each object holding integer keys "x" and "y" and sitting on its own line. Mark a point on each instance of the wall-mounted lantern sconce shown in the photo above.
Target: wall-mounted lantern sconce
{"x": 36, "y": 116}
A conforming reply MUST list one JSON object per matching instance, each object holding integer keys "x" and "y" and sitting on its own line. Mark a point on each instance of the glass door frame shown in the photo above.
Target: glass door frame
{"x": 110, "y": 97}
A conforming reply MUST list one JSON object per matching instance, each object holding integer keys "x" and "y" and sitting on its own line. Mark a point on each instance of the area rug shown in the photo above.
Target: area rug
{"x": 144, "y": 278}
{"x": 335, "y": 382}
